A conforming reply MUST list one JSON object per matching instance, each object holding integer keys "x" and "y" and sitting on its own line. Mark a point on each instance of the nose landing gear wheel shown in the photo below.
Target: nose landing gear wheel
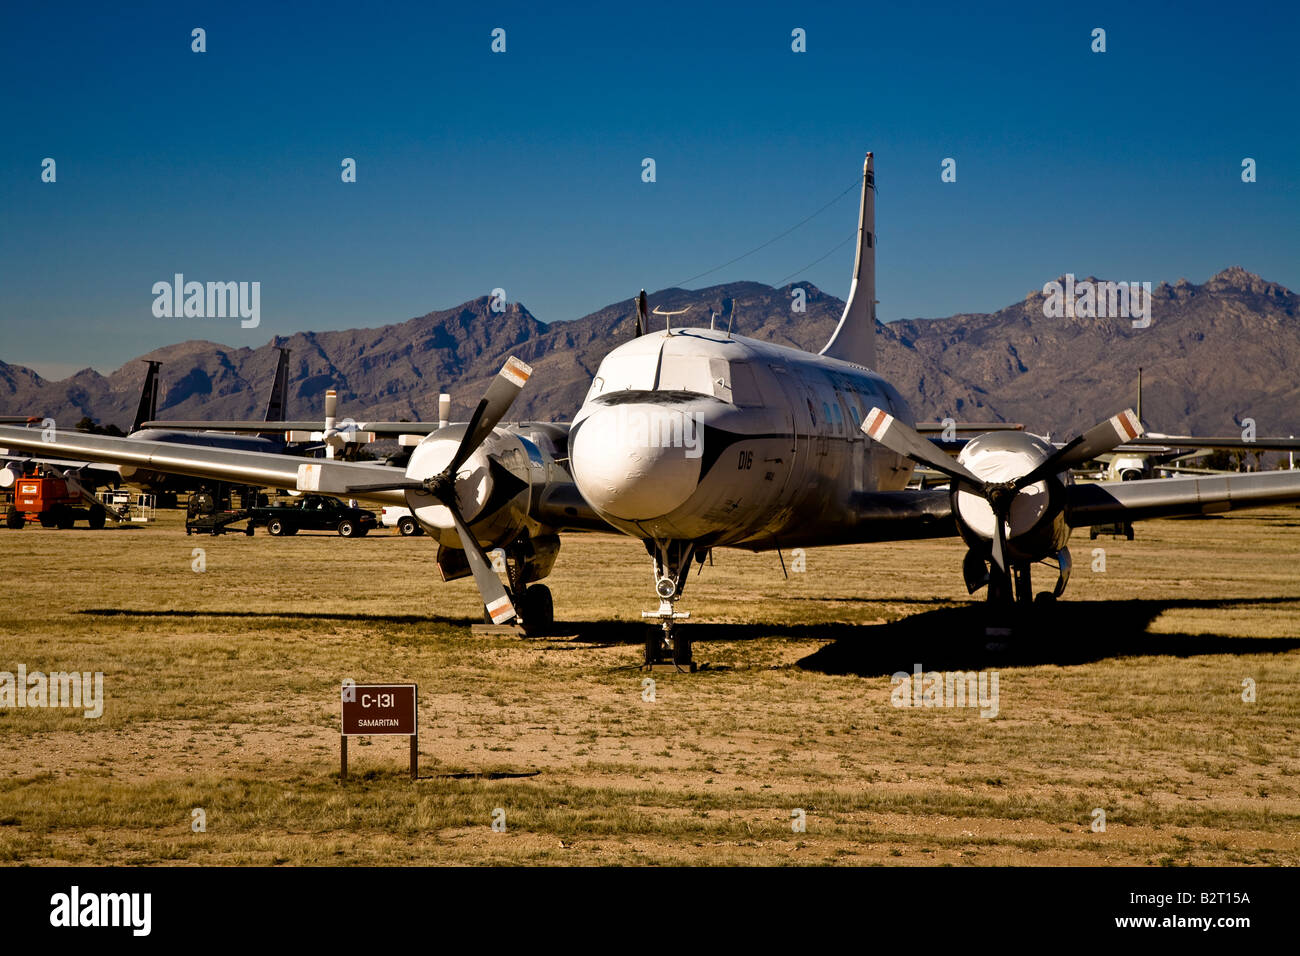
{"x": 664, "y": 646}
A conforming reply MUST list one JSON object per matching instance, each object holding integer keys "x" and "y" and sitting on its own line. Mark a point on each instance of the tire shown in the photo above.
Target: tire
{"x": 96, "y": 518}
{"x": 681, "y": 649}
{"x": 538, "y": 609}
{"x": 15, "y": 519}
{"x": 275, "y": 527}
{"x": 65, "y": 518}
{"x": 48, "y": 519}
{"x": 249, "y": 531}
{"x": 408, "y": 527}
{"x": 347, "y": 528}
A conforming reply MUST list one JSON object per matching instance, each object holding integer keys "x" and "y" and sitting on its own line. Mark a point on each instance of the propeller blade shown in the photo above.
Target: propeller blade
{"x": 495, "y": 597}
{"x": 999, "y": 542}
{"x": 401, "y": 484}
{"x": 501, "y": 394}
{"x": 1097, "y": 440}
{"x": 902, "y": 439}
{"x": 642, "y": 318}
{"x": 331, "y": 404}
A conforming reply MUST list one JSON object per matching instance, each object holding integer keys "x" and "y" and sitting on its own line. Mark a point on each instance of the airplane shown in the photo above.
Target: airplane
{"x": 91, "y": 474}
{"x": 167, "y": 485}
{"x": 1157, "y": 454}
{"x": 692, "y": 439}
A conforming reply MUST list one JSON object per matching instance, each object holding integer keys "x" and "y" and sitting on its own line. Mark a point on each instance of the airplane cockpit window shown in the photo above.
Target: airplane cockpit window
{"x": 689, "y": 373}
{"x": 624, "y": 373}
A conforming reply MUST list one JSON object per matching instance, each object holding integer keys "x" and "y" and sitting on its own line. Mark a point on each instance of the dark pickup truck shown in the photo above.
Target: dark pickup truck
{"x": 313, "y": 513}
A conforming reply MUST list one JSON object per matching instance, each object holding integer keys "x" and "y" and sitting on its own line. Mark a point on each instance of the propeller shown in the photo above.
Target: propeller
{"x": 500, "y": 395}
{"x": 336, "y": 435}
{"x": 904, "y": 440}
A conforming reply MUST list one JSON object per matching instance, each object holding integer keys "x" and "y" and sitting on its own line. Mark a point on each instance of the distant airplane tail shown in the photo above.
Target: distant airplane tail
{"x": 275, "y": 407}
{"x": 147, "y": 410}
{"x": 854, "y": 339}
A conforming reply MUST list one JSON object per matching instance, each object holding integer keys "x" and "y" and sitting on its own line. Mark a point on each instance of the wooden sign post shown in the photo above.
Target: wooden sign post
{"x": 379, "y": 710}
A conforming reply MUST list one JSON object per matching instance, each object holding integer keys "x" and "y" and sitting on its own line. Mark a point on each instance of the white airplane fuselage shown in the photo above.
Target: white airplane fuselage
{"x": 698, "y": 435}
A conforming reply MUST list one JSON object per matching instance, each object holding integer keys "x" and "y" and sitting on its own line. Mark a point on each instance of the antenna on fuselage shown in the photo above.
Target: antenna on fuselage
{"x": 668, "y": 325}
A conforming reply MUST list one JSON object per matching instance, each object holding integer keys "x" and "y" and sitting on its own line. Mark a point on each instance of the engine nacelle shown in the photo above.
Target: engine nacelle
{"x": 492, "y": 486}
{"x": 10, "y": 474}
{"x": 1036, "y": 523}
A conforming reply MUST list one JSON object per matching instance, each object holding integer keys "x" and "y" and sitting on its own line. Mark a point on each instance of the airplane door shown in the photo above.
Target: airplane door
{"x": 791, "y": 402}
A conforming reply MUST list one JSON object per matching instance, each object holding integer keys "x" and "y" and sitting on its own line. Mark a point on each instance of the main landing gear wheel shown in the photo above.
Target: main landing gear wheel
{"x": 538, "y": 609}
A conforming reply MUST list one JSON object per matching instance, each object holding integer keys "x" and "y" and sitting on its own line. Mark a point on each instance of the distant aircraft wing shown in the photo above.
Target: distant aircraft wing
{"x": 271, "y": 428}
{"x": 1106, "y": 502}
{"x": 263, "y": 469}
{"x": 1149, "y": 443}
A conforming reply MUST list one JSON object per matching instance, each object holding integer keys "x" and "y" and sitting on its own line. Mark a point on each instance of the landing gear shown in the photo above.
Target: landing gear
{"x": 1011, "y": 596}
{"x": 528, "y": 559}
{"x": 664, "y": 646}
{"x": 538, "y": 609}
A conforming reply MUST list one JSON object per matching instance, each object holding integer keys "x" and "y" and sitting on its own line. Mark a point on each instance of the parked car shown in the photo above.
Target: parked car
{"x": 401, "y": 519}
{"x": 313, "y": 513}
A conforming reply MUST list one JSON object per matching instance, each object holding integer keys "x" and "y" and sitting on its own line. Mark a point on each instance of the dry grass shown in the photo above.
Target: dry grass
{"x": 222, "y": 694}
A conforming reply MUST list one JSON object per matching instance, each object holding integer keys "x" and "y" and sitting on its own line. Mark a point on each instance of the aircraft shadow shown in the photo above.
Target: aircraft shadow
{"x": 954, "y": 638}
{"x": 290, "y": 615}
{"x": 1064, "y": 634}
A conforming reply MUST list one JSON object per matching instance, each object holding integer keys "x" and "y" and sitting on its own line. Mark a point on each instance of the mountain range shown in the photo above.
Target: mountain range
{"x": 1213, "y": 354}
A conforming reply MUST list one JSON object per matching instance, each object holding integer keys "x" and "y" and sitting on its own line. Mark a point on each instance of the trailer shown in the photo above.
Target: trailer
{"x": 209, "y": 512}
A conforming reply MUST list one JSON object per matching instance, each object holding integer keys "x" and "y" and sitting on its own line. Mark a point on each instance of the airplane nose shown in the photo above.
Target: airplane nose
{"x": 636, "y": 462}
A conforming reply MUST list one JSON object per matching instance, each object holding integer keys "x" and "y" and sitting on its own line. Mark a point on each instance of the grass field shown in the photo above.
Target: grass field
{"x": 222, "y": 695}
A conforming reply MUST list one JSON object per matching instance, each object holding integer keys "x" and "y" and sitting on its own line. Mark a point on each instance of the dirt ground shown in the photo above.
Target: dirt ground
{"x": 222, "y": 706}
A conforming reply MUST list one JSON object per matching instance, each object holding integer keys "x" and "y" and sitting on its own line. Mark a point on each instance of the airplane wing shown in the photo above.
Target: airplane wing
{"x": 269, "y": 428}
{"x": 1105, "y": 502}
{"x": 1149, "y": 443}
{"x": 263, "y": 469}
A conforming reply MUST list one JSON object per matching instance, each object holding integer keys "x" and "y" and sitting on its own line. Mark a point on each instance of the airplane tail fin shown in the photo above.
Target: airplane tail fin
{"x": 854, "y": 339}
{"x": 275, "y": 406}
{"x": 147, "y": 410}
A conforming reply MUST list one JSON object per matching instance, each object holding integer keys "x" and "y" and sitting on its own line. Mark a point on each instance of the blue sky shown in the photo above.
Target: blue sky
{"x": 522, "y": 170}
